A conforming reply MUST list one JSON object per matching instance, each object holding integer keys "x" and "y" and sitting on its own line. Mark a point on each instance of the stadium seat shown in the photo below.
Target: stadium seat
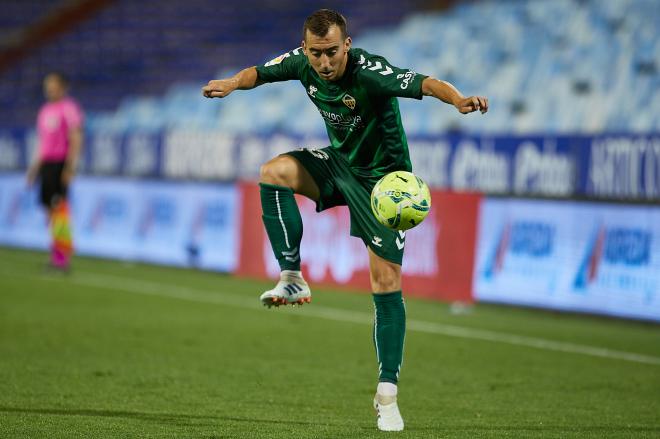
{"x": 600, "y": 60}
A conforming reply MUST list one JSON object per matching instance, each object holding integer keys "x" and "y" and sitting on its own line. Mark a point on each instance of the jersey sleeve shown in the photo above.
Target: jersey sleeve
{"x": 381, "y": 78}
{"x": 283, "y": 68}
{"x": 73, "y": 115}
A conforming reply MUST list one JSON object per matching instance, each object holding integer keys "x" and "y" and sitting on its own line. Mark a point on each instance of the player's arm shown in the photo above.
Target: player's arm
{"x": 246, "y": 79}
{"x": 448, "y": 94}
{"x": 384, "y": 79}
{"x": 33, "y": 169}
{"x": 73, "y": 155}
{"x": 283, "y": 68}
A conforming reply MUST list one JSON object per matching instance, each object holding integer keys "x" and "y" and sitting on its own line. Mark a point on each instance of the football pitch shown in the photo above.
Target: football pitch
{"x": 121, "y": 350}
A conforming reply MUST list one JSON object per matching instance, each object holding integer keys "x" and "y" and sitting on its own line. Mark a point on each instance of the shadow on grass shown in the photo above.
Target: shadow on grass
{"x": 186, "y": 420}
{"x": 179, "y": 419}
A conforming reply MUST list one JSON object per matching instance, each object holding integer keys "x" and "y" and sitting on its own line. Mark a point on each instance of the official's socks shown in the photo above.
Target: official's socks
{"x": 389, "y": 334}
{"x": 283, "y": 224}
{"x": 61, "y": 237}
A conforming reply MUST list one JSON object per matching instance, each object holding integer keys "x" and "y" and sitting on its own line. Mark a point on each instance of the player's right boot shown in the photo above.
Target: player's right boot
{"x": 290, "y": 290}
{"x": 389, "y": 417}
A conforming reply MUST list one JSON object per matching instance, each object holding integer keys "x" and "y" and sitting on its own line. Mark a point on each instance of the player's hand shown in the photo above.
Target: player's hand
{"x": 219, "y": 88}
{"x": 471, "y": 104}
{"x": 31, "y": 175}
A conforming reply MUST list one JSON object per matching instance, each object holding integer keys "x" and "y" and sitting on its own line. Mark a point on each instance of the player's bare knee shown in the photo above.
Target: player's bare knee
{"x": 386, "y": 286}
{"x": 278, "y": 171}
{"x": 386, "y": 279}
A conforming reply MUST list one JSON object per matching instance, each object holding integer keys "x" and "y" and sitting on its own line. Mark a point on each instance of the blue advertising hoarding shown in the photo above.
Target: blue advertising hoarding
{"x": 625, "y": 166}
{"x": 184, "y": 224}
{"x": 566, "y": 255}
{"x": 22, "y": 221}
{"x": 588, "y": 257}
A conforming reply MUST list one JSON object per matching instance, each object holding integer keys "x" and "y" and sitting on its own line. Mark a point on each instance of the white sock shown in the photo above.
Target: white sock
{"x": 386, "y": 389}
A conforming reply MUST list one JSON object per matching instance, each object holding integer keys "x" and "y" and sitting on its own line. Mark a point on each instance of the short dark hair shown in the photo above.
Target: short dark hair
{"x": 320, "y": 21}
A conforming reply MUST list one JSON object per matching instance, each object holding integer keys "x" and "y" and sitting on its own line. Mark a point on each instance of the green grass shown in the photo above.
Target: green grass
{"x": 123, "y": 351}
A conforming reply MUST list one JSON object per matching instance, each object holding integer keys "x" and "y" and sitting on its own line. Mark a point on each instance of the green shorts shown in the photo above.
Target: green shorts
{"x": 339, "y": 186}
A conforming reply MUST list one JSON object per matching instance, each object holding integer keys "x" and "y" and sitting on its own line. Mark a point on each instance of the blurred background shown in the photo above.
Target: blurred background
{"x": 550, "y": 200}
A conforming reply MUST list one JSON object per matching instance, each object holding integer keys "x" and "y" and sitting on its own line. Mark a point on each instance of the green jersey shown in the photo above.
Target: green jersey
{"x": 360, "y": 110}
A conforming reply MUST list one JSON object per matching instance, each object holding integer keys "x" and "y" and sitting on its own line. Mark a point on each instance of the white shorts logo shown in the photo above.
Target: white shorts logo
{"x": 401, "y": 240}
{"x": 318, "y": 154}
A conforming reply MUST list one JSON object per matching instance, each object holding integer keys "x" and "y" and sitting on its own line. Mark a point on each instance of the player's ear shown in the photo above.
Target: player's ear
{"x": 303, "y": 47}
{"x": 347, "y": 44}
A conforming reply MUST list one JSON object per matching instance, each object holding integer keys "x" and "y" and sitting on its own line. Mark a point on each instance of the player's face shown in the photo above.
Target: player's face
{"x": 328, "y": 54}
{"x": 54, "y": 89}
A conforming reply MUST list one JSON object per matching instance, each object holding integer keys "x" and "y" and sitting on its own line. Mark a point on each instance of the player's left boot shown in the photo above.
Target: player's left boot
{"x": 387, "y": 410}
{"x": 290, "y": 290}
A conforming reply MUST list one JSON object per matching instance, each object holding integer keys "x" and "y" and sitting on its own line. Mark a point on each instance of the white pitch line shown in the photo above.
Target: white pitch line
{"x": 186, "y": 293}
{"x": 149, "y": 288}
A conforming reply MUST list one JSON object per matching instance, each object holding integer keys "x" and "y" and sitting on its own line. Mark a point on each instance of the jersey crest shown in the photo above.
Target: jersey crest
{"x": 349, "y": 101}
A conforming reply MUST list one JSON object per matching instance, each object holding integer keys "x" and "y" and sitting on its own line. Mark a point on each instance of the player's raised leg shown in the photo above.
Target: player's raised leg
{"x": 389, "y": 336}
{"x": 281, "y": 177}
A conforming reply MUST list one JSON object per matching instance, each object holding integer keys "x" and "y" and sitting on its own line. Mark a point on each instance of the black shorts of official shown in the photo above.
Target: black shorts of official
{"x": 52, "y": 188}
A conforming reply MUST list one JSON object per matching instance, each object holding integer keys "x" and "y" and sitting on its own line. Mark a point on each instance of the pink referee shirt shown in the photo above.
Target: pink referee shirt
{"x": 53, "y": 124}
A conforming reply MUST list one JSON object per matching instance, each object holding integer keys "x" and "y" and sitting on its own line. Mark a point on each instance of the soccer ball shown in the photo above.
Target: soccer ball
{"x": 400, "y": 200}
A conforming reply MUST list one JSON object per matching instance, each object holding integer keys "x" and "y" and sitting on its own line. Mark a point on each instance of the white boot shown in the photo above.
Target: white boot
{"x": 389, "y": 418}
{"x": 290, "y": 290}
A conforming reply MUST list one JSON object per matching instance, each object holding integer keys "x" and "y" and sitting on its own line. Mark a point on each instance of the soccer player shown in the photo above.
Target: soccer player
{"x": 59, "y": 128}
{"x": 356, "y": 94}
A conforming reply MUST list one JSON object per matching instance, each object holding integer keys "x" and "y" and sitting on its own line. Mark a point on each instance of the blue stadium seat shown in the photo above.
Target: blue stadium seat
{"x": 547, "y": 65}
